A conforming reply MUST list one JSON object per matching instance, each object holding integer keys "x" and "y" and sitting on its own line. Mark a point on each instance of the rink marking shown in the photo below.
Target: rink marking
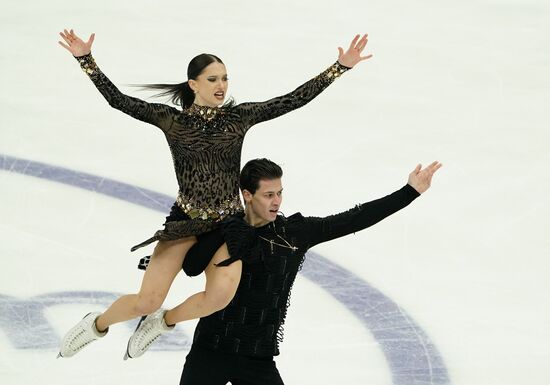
{"x": 411, "y": 356}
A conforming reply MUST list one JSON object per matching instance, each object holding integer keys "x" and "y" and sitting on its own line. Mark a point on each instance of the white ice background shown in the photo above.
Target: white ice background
{"x": 466, "y": 83}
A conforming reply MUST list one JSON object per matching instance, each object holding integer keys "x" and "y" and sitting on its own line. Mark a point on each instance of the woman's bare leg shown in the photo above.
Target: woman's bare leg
{"x": 221, "y": 285}
{"x": 165, "y": 264}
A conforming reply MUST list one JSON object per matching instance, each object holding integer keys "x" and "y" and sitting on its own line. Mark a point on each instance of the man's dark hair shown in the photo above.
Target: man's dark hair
{"x": 256, "y": 170}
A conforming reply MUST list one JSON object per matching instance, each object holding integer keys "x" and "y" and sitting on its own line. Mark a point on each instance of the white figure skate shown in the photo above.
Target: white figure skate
{"x": 148, "y": 330}
{"x": 80, "y": 336}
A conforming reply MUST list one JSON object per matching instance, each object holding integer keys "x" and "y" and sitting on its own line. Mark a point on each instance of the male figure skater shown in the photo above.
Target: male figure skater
{"x": 237, "y": 343}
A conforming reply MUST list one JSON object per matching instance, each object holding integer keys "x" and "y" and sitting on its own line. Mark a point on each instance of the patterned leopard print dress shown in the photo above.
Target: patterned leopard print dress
{"x": 206, "y": 145}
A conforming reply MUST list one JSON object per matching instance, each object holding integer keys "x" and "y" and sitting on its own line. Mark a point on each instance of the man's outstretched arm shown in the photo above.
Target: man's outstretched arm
{"x": 367, "y": 214}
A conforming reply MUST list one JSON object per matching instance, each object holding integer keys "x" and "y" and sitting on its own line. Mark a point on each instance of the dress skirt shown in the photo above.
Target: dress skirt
{"x": 177, "y": 225}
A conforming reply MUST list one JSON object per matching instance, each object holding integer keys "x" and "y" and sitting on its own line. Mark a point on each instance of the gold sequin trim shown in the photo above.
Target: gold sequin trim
{"x": 227, "y": 207}
{"x": 203, "y": 111}
{"x": 335, "y": 70}
{"x": 87, "y": 63}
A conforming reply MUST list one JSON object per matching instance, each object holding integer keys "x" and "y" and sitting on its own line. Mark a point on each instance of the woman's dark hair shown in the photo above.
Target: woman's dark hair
{"x": 181, "y": 94}
{"x": 256, "y": 170}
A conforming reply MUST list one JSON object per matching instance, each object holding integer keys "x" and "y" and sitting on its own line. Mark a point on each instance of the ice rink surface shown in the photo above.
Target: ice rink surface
{"x": 454, "y": 289}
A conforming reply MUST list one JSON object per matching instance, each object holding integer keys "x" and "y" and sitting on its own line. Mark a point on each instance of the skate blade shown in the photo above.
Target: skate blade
{"x": 126, "y": 355}
{"x": 59, "y": 355}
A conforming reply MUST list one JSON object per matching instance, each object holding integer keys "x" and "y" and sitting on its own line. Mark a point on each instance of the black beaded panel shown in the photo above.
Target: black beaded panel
{"x": 253, "y": 323}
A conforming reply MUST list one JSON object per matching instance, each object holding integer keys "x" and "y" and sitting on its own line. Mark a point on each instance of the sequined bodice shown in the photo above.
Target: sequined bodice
{"x": 207, "y": 155}
{"x": 206, "y": 142}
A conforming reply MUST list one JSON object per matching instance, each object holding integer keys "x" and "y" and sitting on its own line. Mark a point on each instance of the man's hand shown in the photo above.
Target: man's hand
{"x": 421, "y": 179}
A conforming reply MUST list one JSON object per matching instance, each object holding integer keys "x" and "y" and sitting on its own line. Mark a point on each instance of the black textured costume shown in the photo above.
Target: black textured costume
{"x": 251, "y": 325}
{"x": 206, "y": 146}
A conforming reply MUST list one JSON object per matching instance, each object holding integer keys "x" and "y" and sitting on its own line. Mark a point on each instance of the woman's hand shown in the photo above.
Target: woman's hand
{"x": 76, "y": 45}
{"x": 353, "y": 55}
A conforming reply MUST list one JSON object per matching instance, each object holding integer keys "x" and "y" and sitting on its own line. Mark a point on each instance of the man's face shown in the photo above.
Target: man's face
{"x": 266, "y": 201}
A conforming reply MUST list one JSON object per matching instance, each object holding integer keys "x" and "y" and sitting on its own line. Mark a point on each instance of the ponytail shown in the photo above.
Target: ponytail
{"x": 180, "y": 94}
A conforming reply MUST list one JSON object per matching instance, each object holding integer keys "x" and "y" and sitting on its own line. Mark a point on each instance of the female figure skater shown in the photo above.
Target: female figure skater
{"x": 205, "y": 138}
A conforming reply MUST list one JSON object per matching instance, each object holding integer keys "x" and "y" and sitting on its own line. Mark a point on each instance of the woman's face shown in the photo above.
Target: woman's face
{"x": 210, "y": 86}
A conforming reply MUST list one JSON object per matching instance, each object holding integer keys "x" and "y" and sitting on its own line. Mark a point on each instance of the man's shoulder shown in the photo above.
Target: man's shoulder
{"x": 296, "y": 217}
{"x": 294, "y": 222}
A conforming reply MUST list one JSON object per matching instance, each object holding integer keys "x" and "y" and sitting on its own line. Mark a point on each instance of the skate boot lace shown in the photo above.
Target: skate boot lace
{"x": 77, "y": 342}
{"x": 150, "y": 334}
{"x": 81, "y": 338}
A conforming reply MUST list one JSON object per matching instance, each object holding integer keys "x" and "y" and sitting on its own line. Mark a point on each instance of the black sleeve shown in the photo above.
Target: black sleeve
{"x": 320, "y": 230}
{"x": 157, "y": 114}
{"x": 253, "y": 113}
{"x": 202, "y": 252}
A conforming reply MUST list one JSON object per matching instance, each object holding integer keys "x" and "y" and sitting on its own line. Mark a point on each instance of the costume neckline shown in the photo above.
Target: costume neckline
{"x": 269, "y": 225}
{"x": 205, "y": 112}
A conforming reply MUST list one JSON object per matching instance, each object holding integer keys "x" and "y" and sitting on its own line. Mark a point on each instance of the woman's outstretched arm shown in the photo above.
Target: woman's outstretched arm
{"x": 253, "y": 113}
{"x": 157, "y": 114}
